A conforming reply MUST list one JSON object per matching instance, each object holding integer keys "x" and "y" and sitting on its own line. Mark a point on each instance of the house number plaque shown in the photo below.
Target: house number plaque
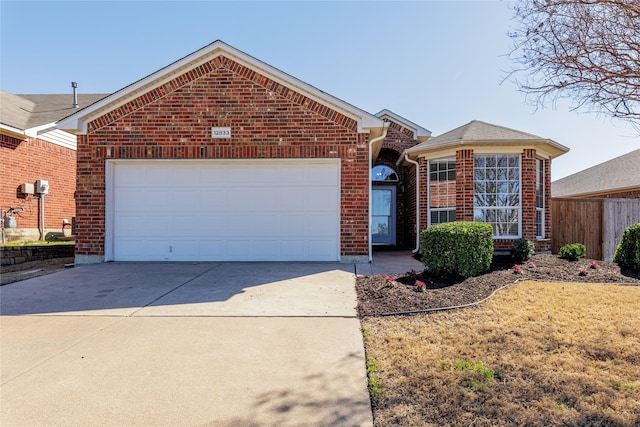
{"x": 221, "y": 132}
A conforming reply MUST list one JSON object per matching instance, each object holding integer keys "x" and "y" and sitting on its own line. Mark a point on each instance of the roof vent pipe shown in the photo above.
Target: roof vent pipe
{"x": 74, "y": 85}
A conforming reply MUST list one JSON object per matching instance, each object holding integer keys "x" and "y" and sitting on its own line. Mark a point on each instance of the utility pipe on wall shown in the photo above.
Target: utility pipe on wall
{"x": 413, "y": 162}
{"x": 42, "y": 236}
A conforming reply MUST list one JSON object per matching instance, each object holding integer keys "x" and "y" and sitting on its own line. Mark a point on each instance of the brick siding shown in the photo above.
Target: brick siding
{"x": 464, "y": 198}
{"x": 30, "y": 160}
{"x": 268, "y": 121}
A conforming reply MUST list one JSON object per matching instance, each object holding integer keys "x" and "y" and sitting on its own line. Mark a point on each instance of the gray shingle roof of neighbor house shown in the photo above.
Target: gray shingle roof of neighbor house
{"x": 481, "y": 133}
{"x": 619, "y": 174}
{"x": 32, "y": 110}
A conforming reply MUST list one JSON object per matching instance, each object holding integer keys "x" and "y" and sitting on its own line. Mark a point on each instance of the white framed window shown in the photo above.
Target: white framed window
{"x": 540, "y": 199}
{"x": 497, "y": 193}
{"x": 383, "y": 173}
{"x": 442, "y": 191}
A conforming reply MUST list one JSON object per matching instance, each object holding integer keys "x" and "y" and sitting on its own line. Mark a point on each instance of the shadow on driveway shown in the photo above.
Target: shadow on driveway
{"x": 187, "y": 289}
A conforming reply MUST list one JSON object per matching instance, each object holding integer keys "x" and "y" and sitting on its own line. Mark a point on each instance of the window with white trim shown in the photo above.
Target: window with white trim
{"x": 442, "y": 191}
{"x": 383, "y": 173}
{"x": 540, "y": 199}
{"x": 497, "y": 193}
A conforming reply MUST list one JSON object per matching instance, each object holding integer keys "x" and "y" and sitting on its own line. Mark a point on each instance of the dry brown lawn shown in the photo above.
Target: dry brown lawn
{"x": 535, "y": 354}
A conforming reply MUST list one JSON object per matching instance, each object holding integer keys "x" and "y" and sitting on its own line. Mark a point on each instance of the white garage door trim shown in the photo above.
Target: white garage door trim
{"x": 266, "y": 173}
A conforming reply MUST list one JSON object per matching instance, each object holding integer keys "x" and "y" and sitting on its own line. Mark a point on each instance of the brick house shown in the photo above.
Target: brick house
{"x": 220, "y": 156}
{"x": 32, "y": 149}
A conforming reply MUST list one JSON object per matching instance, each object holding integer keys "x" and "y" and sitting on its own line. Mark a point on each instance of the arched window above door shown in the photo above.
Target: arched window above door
{"x": 383, "y": 173}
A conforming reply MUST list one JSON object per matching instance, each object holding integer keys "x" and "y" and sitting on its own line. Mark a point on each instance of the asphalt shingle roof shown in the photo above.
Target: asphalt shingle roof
{"x": 28, "y": 111}
{"x": 620, "y": 173}
{"x": 478, "y": 133}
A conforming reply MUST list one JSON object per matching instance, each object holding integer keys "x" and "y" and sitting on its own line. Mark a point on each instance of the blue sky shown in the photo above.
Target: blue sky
{"x": 440, "y": 64}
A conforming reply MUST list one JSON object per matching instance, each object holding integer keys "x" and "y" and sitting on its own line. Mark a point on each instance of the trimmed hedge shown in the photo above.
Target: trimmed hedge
{"x": 461, "y": 247}
{"x": 628, "y": 251}
{"x": 522, "y": 249}
{"x": 573, "y": 251}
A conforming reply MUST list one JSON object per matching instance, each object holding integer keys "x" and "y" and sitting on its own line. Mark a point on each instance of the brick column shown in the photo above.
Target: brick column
{"x": 545, "y": 245}
{"x": 464, "y": 185}
{"x": 424, "y": 194}
{"x": 528, "y": 191}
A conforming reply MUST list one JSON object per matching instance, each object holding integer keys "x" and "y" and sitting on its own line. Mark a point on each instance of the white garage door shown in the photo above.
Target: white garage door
{"x": 223, "y": 211}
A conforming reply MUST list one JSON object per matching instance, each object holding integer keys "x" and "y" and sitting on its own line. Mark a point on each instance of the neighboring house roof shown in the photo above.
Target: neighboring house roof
{"x": 33, "y": 110}
{"x": 23, "y": 116}
{"x": 619, "y": 174}
{"x": 78, "y": 121}
{"x": 477, "y": 133}
{"x": 420, "y": 134}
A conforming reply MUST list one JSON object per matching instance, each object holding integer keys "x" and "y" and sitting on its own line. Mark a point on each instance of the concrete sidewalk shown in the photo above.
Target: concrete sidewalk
{"x": 224, "y": 344}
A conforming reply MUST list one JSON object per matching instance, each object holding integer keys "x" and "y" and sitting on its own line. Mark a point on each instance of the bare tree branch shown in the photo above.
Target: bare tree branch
{"x": 584, "y": 50}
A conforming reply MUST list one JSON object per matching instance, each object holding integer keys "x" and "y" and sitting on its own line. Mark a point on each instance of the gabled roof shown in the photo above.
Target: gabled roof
{"x": 78, "y": 121}
{"x": 419, "y": 133}
{"x": 619, "y": 174}
{"x": 23, "y": 112}
{"x": 477, "y": 133}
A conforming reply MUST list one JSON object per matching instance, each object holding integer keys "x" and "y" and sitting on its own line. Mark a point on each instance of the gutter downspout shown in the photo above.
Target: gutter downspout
{"x": 413, "y": 162}
{"x": 374, "y": 140}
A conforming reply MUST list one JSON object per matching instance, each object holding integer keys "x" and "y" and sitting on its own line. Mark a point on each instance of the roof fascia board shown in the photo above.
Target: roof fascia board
{"x": 80, "y": 120}
{"x": 601, "y": 193}
{"x": 13, "y": 132}
{"x": 553, "y": 148}
{"x": 418, "y": 130}
{"x": 34, "y": 131}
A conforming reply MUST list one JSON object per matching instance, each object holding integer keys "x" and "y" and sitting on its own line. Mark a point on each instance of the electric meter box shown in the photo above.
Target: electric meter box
{"x": 26, "y": 188}
{"x": 42, "y": 186}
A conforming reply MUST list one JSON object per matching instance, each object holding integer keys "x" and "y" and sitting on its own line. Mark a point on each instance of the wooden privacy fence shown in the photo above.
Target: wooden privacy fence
{"x": 596, "y": 223}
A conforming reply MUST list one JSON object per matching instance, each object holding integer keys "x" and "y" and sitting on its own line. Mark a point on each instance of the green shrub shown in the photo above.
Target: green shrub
{"x": 573, "y": 251}
{"x": 463, "y": 248}
{"x": 628, "y": 251}
{"x": 522, "y": 249}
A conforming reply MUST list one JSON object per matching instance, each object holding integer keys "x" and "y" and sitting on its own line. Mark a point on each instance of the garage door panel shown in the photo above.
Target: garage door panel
{"x": 130, "y": 200}
{"x": 237, "y": 176}
{"x": 240, "y": 200}
{"x": 129, "y": 176}
{"x": 144, "y": 250}
{"x": 267, "y": 177}
{"x": 211, "y": 250}
{"x": 184, "y": 249}
{"x": 321, "y": 200}
{"x": 226, "y": 211}
{"x": 160, "y": 176}
{"x": 268, "y": 200}
{"x": 267, "y": 225}
{"x": 295, "y": 199}
{"x": 319, "y": 249}
{"x": 211, "y": 200}
{"x": 136, "y": 225}
{"x": 184, "y": 201}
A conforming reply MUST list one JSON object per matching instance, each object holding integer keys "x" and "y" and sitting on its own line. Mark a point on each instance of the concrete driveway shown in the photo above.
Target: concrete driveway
{"x": 220, "y": 344}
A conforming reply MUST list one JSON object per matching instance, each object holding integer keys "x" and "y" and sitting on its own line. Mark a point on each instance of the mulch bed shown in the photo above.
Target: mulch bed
{"x": 376, "y": 297}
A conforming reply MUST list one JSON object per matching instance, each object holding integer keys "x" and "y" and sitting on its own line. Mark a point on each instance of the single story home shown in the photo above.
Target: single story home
{"x": 219, "y": 156}
{"x": 33, "y": 151}
{"x": 615, "y": 178}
